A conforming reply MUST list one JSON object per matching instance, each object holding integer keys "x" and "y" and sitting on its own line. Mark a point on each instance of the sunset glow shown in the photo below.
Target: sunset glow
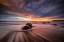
{"x": 31, "y": 10}
{"x": 34, "y": 19}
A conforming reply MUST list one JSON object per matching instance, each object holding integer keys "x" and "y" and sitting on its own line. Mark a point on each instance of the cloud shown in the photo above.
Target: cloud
{"x": 40, "y": 8}
{"x": 50, "y": 8}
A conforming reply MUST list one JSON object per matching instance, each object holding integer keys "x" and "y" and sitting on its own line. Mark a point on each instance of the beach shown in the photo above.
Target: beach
{"x": 39, "y": 33}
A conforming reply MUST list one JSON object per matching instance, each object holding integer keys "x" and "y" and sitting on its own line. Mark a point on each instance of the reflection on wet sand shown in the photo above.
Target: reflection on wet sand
{"x": 24, "y": 36}
{"x": 38, "y": 33}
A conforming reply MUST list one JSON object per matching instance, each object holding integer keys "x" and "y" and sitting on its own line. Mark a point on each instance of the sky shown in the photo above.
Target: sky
{"x": 31, "y": 10}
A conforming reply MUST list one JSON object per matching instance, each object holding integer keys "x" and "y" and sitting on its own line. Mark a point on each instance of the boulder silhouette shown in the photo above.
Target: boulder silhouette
{"x": 27, "y": 26}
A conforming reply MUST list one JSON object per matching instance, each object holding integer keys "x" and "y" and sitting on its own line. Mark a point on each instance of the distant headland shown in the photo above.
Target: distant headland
{"x": 58, "y": 20}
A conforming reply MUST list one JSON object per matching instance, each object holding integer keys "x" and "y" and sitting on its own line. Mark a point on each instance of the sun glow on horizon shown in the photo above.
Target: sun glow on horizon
{"x": 34, "y": 19}
{"x": 25, "y": 19}
{"x": 31, "y": 17}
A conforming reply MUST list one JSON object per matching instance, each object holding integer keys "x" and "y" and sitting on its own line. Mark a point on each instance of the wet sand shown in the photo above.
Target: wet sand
{"x": 28, "y": 36}
{"x": 47, "y": 34}
{"x": 23, "y": 36}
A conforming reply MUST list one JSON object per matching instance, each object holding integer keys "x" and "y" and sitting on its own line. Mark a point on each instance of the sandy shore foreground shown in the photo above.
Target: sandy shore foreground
{"x": 36, "y": 35}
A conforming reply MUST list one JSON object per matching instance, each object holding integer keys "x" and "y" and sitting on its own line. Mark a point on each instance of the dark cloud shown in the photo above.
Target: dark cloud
{"x": 42, "y": 8}
{"x": 50, "y": 8}
{"x": 2, "y": 8}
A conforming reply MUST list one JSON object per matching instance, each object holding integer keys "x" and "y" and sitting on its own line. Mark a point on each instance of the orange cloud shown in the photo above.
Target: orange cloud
{"x": 13, "y": 4}
{"x": 32, "y": 17}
